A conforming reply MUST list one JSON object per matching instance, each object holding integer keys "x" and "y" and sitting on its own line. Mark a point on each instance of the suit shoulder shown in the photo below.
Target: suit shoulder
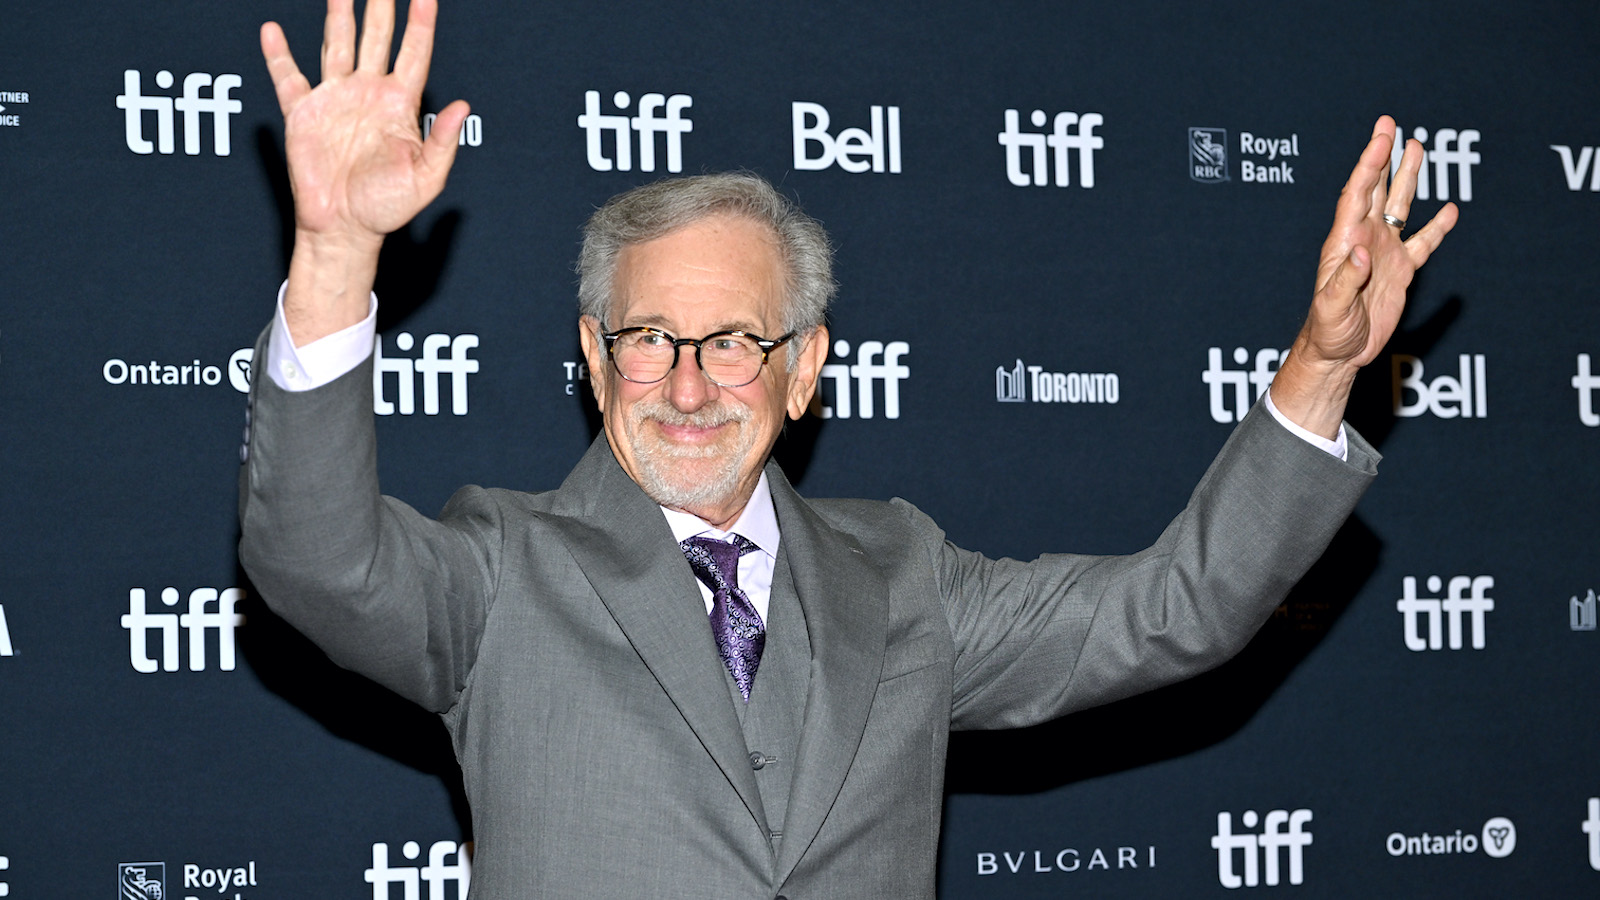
{"x": 875, "y": 521}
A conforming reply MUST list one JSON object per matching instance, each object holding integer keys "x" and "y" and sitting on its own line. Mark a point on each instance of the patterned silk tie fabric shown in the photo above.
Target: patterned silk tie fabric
{"x": 734, "y": 623}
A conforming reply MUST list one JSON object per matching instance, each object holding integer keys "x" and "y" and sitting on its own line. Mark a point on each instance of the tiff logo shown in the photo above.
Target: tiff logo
{"x": 1586, "y": 382}
{"x": 1059, "y": 140}
{"x": 1275, "y": 836}
{"x": 430, "y": 368}
{"x": 1450, "y": 148}
{"x": 220, "y": 105}
{"x": 865, "y": 372}
{"x": 854, "y": 150}
{"x": 1575, "y": 170}
{"x": 1582, "y": 612}
{"x": 1467, "y": 594}
{"x": 670, "y": 122}
{"x": 5, "y": 645}
{"x": 1444, "y": 396}
{"x": 1248, "y": 384}
{"x": 197, "y": 621}
{"x": 5, "y": 889}
{"x": 1591, "y": 827}
{"x": 437, "y": 874}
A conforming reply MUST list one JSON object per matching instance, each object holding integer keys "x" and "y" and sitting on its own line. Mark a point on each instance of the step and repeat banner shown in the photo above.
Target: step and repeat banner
{"x": 1073, "y": 241}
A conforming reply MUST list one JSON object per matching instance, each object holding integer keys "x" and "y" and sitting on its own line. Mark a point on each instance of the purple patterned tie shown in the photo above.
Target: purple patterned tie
{"x": 734, "y": 623}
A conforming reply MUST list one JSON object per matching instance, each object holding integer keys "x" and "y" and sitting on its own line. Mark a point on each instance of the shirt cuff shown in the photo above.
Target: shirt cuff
{"x": 1338, "y": 446}
{"x": 324, "y": 359}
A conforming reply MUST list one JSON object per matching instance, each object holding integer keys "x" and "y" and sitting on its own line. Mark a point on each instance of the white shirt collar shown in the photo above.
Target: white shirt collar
{"x": 758, "y": 522}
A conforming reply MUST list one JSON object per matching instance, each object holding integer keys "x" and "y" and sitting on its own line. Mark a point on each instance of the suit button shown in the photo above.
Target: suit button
{"x": 759, "y": 760}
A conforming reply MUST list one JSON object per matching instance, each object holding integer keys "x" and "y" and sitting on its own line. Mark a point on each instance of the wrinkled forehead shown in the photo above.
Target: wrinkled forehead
{"x": 717, "y": 273}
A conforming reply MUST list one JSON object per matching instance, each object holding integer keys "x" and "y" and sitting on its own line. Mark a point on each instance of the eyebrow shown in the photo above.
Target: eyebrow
{"x": 660, "y": 322}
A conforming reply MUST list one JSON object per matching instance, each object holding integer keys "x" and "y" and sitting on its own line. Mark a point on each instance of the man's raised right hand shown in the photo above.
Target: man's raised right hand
{"x": 358, "y": 165}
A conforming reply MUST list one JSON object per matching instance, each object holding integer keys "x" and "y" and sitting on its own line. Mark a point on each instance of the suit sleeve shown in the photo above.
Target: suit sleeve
{"x": 1066, "y": 632}
{"x": 382, "y": 589}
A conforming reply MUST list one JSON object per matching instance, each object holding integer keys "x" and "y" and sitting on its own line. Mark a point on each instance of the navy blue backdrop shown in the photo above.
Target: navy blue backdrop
{"x": 1072, "y": 240}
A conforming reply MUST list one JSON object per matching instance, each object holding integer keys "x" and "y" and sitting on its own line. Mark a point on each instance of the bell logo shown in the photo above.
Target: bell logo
{"x": 220, "y": 105}
{"x": 1444, "y": 396}
{"x": 854, "y": 150}
{"x": 1281, "y": 830}
{"x": 197, "y": 621}
{"x": 437, "y": 874}
{"x": 5, "y": 642}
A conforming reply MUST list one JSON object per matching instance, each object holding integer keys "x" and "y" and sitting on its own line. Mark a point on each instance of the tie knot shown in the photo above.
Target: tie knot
{"x": 715, "y": 562}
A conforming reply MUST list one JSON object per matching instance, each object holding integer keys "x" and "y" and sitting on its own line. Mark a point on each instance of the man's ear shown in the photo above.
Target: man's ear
{"x": 594, "y": 355}
{"x": 812, "y": 351}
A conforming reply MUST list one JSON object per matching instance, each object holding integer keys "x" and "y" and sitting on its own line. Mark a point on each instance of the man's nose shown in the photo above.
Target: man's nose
{"x": 688, "y": 388}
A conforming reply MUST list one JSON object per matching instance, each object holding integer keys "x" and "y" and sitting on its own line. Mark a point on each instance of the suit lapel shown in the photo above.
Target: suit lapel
{"x": 625, "y": 549}
{"x": 845, "y": 603}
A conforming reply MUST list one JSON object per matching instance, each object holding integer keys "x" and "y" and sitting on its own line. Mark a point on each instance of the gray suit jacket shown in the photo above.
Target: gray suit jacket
{"x": 562, "y": 639}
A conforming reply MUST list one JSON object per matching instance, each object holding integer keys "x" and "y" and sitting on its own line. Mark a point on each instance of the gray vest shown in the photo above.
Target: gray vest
{"x": 773, "y": 717}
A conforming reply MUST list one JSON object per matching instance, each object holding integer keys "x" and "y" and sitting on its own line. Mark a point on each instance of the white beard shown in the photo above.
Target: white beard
{"x": 661, "y": 462}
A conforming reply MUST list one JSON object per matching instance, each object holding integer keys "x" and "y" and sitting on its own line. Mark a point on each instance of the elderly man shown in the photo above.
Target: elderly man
{"x": 673, "y": 676}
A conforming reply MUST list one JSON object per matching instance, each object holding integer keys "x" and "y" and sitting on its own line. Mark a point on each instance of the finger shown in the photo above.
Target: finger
{"x": 1405, "y": 182}
{"x": 1421, "y": 245}
{"x": 439, "y": 151}
{"x": 1380, "y": 191}
{"x": 287, "y": 81}
{"x": 416, "y": 47}
{"x": 338, "y": 39}
{"x": 1356, "y": 200}
{"x": 377, "y": 31}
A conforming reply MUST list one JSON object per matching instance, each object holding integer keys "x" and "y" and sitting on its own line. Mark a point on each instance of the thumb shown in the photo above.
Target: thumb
{"x": 439, "y": 151}
{"x": 1348, "y": 279}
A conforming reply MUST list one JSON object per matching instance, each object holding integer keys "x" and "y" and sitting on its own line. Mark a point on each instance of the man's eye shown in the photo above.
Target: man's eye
{"x": 651, "y": 339}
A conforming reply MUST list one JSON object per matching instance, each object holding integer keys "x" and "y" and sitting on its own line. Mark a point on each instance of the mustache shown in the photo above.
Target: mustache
{"x": 709, "y": 416}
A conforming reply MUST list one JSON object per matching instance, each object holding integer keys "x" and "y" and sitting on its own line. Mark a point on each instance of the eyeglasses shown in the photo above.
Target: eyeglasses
{"x": 645, "y": 355}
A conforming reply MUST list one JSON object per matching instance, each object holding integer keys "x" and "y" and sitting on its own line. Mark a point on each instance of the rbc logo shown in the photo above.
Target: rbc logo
{"x": 671, "y": 123}
{"x": 197, "y": 621}
{"x": 436, "y": 873}
{"x": 1467, "y": 594}
{"x": 1059, "y": 140}
{"x": 865, "y": 371}
{"x": 220, "y": 105}
{"x": 1248, "y": 384}
{"x": 1450, "y": 148}
{"x": 1208, "y": 155}
{"x": 1275, "y": 836}
{"x": 1444, "y": 396}
{"x": 854, "y": 150}
{"x": 142, "y": 881}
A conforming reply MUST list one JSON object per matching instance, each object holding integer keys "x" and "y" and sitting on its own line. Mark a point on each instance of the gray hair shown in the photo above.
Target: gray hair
{"x": 648, "y": 212}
